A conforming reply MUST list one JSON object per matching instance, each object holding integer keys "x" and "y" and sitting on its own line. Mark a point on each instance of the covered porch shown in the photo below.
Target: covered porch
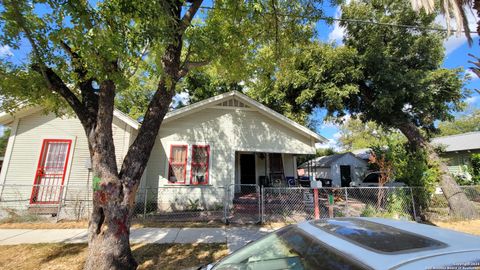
{"x": 266, "y": 169}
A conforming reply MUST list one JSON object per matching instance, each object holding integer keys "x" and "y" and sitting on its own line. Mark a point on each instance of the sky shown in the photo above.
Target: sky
{"x": 456, "y": 48}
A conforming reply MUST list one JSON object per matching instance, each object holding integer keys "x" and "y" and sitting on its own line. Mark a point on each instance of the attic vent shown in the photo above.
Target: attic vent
{"x": 232, "y": 103}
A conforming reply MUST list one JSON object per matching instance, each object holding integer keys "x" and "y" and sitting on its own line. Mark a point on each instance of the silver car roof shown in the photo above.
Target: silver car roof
{"x": 455, "y": 242}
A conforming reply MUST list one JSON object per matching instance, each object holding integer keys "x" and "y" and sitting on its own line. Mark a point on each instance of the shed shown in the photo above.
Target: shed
{"x": 340, "y": 168}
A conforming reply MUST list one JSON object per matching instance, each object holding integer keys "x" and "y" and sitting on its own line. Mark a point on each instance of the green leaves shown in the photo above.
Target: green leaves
{"x": 125, "y": 41}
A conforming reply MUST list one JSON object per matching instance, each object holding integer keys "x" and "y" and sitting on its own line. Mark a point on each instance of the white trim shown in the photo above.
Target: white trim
{"x": 189, "y": 144}
{"x": 6, "y": 118}
{"x": 9, "y": 151}
{"x": 126, "y": 119}
{"x": 249, "y": 101}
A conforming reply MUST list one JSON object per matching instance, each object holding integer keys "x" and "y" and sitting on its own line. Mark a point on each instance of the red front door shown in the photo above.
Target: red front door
{"x": 51, "y": 169}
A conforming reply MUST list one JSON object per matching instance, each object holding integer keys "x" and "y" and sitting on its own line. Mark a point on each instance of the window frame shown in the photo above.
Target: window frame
{"x": 207, "y": 164}
{"x": 184, "y": 164}
{"x": 40, "y": 167}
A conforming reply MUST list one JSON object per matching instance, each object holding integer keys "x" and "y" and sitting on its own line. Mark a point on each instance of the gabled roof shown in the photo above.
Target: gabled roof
{"x": 325, "y": 161}
{"x": 459, "y": 142}
{"x": 241, "y": 101}
{"x": 7, "y": 118}
{"x": 244, "y": 101}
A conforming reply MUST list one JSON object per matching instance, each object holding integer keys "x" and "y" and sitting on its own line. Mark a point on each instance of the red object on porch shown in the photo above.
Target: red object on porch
{"x": 51, "y": 169}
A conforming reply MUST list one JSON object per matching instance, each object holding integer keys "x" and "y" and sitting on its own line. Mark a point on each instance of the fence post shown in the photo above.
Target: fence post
{"x": 60, "y": 202}
{"x": 413, "y": 205}
{"x": 225, "y": 204}
{"x": 346, "y": 201}
{"x": 145, "y": 203}
{"x": 262, "y": 201}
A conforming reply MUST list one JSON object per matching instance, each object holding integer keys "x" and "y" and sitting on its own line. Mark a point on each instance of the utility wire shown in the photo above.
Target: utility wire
{"x": 333, "y": 19}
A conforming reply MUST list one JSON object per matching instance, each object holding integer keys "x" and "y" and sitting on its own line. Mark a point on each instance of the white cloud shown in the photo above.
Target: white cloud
{"x": 457, "y": 39}
{"x": 182, "y": 97}
{"x": 471, "y": 75}
{"x": 338, "y": 32}
{"x": 5, "y": 51}
{"x": 472, "y": 100}
{"x": 331, "y": 143}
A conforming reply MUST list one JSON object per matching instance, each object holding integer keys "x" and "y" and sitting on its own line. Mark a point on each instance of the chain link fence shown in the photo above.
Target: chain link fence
{"x": 243, "y": 204}
{"x": 240, "y": 204}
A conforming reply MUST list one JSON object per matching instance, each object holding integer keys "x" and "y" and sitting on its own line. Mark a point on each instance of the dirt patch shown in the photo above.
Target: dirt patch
{"x": 471, "y": 226}
{"x": 72, "y": 256}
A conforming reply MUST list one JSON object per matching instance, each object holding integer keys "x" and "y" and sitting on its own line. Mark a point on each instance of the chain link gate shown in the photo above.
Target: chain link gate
{"x": 242, "y": 204}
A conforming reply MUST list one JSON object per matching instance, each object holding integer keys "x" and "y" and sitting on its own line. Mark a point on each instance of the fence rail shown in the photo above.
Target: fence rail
{"x": 235, "y": 203}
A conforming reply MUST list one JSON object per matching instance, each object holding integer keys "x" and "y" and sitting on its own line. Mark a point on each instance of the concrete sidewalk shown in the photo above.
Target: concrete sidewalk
{"x": 235, "y": 237}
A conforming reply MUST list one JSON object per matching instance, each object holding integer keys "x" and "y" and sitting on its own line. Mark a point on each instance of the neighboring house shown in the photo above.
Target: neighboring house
{"x": 457, "y": 149}
{"x": 201, "y": 149}
{"x": 340, "y": 168}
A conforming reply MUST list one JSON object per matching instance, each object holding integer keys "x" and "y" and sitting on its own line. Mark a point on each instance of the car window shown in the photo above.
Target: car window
{"x": 287, "y": 249}
{"x": 371, "y": 178}
{"x": 376, "y": 236}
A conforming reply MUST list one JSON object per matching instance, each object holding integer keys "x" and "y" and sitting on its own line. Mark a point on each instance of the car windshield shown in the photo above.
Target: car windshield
{"x": 376, "y": 236}
{"x": 289, "y": 248}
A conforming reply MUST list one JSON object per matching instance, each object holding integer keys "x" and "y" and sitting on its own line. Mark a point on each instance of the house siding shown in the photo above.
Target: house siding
{"x": 357, "y": 169}
{"x": 226, "y": 131}
{"x": 30, "y": 133}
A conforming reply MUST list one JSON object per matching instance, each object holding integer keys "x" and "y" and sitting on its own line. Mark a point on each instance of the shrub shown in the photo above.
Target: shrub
{"x": 475, "y": 161}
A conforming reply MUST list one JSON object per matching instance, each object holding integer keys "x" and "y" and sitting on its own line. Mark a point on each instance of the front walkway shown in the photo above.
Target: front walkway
{"x": 235, "y": 237}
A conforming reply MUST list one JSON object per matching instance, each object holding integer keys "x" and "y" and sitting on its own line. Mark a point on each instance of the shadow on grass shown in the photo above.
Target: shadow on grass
{"x": 63, "y": 251}
{"x": 177, "y": 256}
{"x": 72, "y": 256}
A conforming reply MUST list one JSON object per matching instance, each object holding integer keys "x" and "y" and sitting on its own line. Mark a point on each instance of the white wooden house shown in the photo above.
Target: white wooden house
{"x": 201, "y": 149}
{"x": 340, "y": 168}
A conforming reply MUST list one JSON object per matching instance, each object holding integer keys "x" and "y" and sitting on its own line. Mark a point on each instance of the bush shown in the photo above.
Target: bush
{"x": 475, "y": 161}
{"x": 396, "y": 204}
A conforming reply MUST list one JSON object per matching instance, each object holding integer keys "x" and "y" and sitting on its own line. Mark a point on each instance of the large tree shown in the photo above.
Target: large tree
{"x": 356, "y": 134}
{"x": 88, "y": 55}
{"x": 403, "y": 85}
{"x": 385, "y": 74}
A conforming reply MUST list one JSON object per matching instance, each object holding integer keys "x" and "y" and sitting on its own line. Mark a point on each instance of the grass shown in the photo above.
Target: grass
{"x": 470, "y": 226}
{"x": 72, "y": 256}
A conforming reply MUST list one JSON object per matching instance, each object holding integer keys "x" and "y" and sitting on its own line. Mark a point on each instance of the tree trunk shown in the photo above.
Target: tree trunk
{"x": 460, "y": 206}
{"x": 109, "y": 231}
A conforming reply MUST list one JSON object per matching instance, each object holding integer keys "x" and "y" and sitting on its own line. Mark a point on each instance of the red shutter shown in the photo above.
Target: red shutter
{"x": 177, "y": 164}
{"x": 199, "y": 169}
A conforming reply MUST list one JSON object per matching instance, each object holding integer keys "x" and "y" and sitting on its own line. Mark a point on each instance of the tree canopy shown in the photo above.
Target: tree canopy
{"x": 467, "y": 122}
{"x": 355, "y": 134}
{"x": 4, "y": 141}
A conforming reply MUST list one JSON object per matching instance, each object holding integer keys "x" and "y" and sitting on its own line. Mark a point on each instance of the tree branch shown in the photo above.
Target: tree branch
{"x": 188, "y": 17}
{"x": 187, "y": 66}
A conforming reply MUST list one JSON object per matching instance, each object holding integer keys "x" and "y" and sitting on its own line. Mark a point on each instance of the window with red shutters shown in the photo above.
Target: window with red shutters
{"x": 199, "y": 165}
{"x": 177, "y": 165}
